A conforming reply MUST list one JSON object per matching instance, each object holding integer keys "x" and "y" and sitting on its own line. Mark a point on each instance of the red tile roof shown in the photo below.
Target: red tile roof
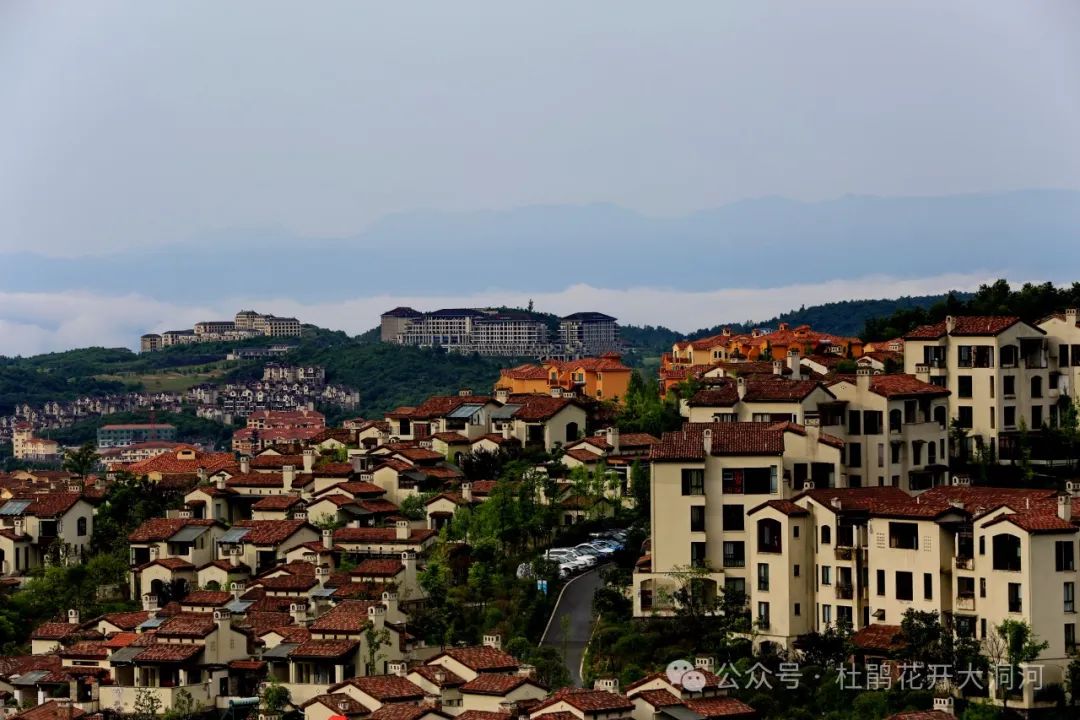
{"x": 51, "y": 710}
{"x": 440, "y": 405}
{"x": 733, "y": 438}
{"x": 659, "y": 698}
{"x": 207, "y": 598}
{"x": 187, "y": 625}
{"x": 350, "y": 616}
{"x": 377, "y": 567}
{"x": 1036, "y": 522}
{"x": 777, "y": 389}
{"x": 55, "y": 631}
{"x": 127, "y": 620}
{"x": 482, "y": 658}
{"x": 170, "y": 464}
{"x": 899, "y": 385}
{"x": 167, "y": 652}
{"x": 587, "y": 701}
{"x": 495, "y": 684}
{"x": 384, "y": 688}
{"x": 340, "y": 703}
{"x": 386, "y": 536}
{"x": 270, "y": 532}
{"x": 922, "y": 715}
{"x": 161, "y": 529}
{"x": 784, "y": 506}
{"x": 325, "y": 648}
{"x": 720, "y": 707}
{"x": 406, "y": 712}
{"x": 536, "y": 408}
{"x": 965, "y": 325}
{"x": 877, "y": 638}
{"x": 277, "y": 502}
{"x": 431, "y": 673}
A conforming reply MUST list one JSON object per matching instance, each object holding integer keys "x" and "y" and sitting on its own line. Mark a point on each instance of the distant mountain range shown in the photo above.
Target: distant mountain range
{"x": 770, "y": 242}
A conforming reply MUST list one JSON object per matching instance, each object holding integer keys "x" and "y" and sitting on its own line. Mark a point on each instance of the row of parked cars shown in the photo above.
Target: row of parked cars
{"x": 583, "y": 556}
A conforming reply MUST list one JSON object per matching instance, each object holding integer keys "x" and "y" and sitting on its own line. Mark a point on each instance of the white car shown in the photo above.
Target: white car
{"x": 571, "y": 557}
{"x": 600, "y": 551}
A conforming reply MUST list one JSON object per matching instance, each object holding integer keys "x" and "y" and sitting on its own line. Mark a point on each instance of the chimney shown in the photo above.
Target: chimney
{"x": 466, "y": 492}
{"x": 740, "y": 385}
{"x": 528, "y": 671}
{"x": 358, "y": 462}
{"x": 377, "y": 615}
{"x": 219, "y": 482}
{"x": 613, "y": 440}
{"x": 493, "y": 641}
{"x": 862, "y": 378}
{"x": 706, "y": 440}
{"x": 502, "y": 395}
{"x": 309, "y": 460}
{"x": 328, "y": 539}
{"x": 18, "y": 526}
{"x": 400, "y": 669}
{"x": 234, "y": 555}
{"x": 202, "y": 475}
{"x": 1071, "y": 315}
{"x": 403, "y": 530}
{"x": 778, "y": 367}
{"x": 149, "y": 602}
{"x": 945, "y": 705}
{"x": 222, "y": 618}
{"x": 506, "y": 431}
{"x": 154, "y": 552}
{"x": 288, "y": 475}
{"x": 705, "y": 662}
{"x": 322, "y": 574}
{"x": 245, "y": 464}
{"x": 610, "y": 685}
{"x": 408, "y": 559}
{"x": 837, "y": 505}
{"x": 950, "y": 324}
{"x": 299, "y": 613}
{"x": 1065, "y": 507}
{"x": 237, "y": 589}
{"x": 390, "y": 600}
{"x": 73, "y": 617}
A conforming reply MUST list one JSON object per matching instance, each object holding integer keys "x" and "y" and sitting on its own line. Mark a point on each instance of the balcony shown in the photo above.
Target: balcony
{"x": 844, "y": 552}
{"x": 964, "y": 563}
{"x": 734, "y": 561}
{"x": 844, "y": 591}
{"x": 965, "y": 602}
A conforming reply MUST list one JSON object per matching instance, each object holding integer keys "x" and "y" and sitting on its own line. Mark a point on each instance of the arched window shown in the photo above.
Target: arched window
{"x": 826, "y": 534}
{"x": 1007, "y": 552}
{"x": 571, "y": 432}
{"x": 896, "y": 419}
{"x": 768, "y": 536}
{"x": 1036, "y": 387}
{"x": 80, "y": 527}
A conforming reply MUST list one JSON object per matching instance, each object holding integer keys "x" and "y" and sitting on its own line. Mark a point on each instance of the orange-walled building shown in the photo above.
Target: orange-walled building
{"x": 602, "y": 378}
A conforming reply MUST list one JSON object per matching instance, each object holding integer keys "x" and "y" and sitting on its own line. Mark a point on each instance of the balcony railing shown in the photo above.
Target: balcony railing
{"x": 965, "y": 602}
{"x": 844, "y": 552}
{"x": 965, "y": 563}
{"x": 732, "y": 561}
{"x": 844, "y": 591}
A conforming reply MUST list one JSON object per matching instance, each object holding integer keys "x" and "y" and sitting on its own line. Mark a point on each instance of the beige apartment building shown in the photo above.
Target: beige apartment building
{"x": 706, "y": 479}
{"x": 997, "y": 369}
{"x": 1063, "y": 333}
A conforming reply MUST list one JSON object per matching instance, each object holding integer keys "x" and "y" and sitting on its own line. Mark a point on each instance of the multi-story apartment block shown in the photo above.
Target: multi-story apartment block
{"x": 310, "y": 374}
{"x": 706, "y": 480}
{"x": 112, "y": 436}
{"x": 895, "y": 428}
{"x": 602, "y": 378}
{"x": 499, "y": 332}
{"x": 27, "y": 446}
{"x": 588, "y": 333}
{"x": 997, "y": 371}
{"x": 247, "y": 324}
{"x": 1063, "y": 334}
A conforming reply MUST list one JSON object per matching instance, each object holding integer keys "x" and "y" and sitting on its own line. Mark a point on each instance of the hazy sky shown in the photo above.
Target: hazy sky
{"x": 140, "y": 123}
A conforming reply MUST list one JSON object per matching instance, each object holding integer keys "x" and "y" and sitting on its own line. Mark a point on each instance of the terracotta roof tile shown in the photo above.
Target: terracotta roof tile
{"x": 482, "y": 658}
{"x": 270, "y": 532}
{"x": 588, "y": 701}
{"x": 325, "y": 648}
{"x": 495, "y": 684}
{"x": 187, "y": 625}
{"x": 439, "y": 676}
{"x": 51, "y": 710}
{"x": 720, "y": 707}
{"x": 384, "y": 688}
{"x": 207, "y": 598}
{"x": 161, "y": 529}
{"x": 350, "y": 616}
{"x": 167, "y": 652}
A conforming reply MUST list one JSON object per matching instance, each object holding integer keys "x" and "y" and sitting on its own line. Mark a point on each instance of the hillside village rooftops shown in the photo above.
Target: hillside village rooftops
{"x": 898, "y": 385}
{"x": 588, "y": 701}
{"x": 481, "y": 658}
{"x": 743, "y": 438}
{"x": 177, "y": 462}
{"x": 162, "y": 529}
{"x": 268, "y": 532}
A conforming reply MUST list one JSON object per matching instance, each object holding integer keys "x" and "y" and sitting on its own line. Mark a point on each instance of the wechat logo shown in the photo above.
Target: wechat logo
{"x": 681, "y": 672}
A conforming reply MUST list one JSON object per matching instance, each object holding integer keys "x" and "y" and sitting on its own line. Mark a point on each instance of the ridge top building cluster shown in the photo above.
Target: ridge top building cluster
{"x": 247, "y": 324}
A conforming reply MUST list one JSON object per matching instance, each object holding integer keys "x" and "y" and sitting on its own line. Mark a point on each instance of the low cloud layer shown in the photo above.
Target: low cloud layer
{"x": 32, "y": 323}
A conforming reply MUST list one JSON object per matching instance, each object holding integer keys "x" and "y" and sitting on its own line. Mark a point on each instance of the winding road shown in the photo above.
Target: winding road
{"x": 575, "y": 603}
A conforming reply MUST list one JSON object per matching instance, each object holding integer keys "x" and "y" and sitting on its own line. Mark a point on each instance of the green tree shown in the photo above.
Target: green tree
{"x": 147, "y": 705}
{"x": 274, "y": 697}
{"x": 1013, "y": 643}
{"x": 82, "y": 461}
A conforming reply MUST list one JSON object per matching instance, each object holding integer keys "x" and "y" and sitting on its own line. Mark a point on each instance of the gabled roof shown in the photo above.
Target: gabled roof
{"x": 384, "y": 688}
{"x": 481, "y": 658}
{"x": 497, "y": 684}
{"x": 587, "y": 701}
{"x": 967, "y": 326}
{"x": 348, "y": 617}
{"x": 784, "y": 506}
{"x": 898, "y": 385}
{"x": 162, "y": 529}
{"x": 270, "y": 532}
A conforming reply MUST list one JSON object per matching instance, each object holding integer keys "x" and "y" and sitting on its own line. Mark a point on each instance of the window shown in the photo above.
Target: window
{"x": 80, "y": 527}
{"x": 1037, "y": 386}
{"x": 904, "y": 536}
{"x": 896, "y": 447}
{"x": 1063, "y": 355}
{"x": 763, "y": 614}
{"x": 1007, "y": 552}
{"x": 697, "y": 518}
{"x": 826, "y": 614}
{"x": 928, "y": 586}
{"x": 881, "y": 455}
{"x": 975, "y": 356}
{"x": 768, "y": 536}
{"x": 1064, "y": 560}
{"x": 735, "y": 587}
{"x": 896, "y": 420}
{"x": 965, "y": 587}
{"x": 1010, "y": 356}
{"x": 1015, "y": 603}
{"x": 1070, "y": 638}
{"x": 1008, "y": 416}
{"x": 734, "y": 517}
{"x": 982, "y": 628}
{"x": 1070, "y": 597}
{"x": 881, "y": 583}
{"x": 854, "y": 422}
{"x": 797, "y": 610}
{"x": 1036, "y": 416}
{"x": 982, "y": 544}
{"x": 916, "y": 452}
{"x": 931, "y": 452}
{"x": 795, "y": 570}
{"x": 1075, "y": 355}
{"x": 1008, "y": 386}
{"x": 795, "y": 531}
{"x": 982, "y": 587}
{"x": 904, "y": 586}
{"x": 854, "y": 454}
{"x": 693, "y": 481}
{"x": 763, "y": 577}
{"x": 965, "y": 417}
{"x": 826, "y": 534}
{"x": 873, "y": 423}
{"x": 963, "y": 386}
{"x": 697, "y": 554}
{"x": 826, "y": 574}
{"x": 734, "y": 554}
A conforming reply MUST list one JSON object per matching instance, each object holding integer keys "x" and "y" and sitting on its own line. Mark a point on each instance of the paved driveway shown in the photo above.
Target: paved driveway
{"x": 576, "y": 605}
